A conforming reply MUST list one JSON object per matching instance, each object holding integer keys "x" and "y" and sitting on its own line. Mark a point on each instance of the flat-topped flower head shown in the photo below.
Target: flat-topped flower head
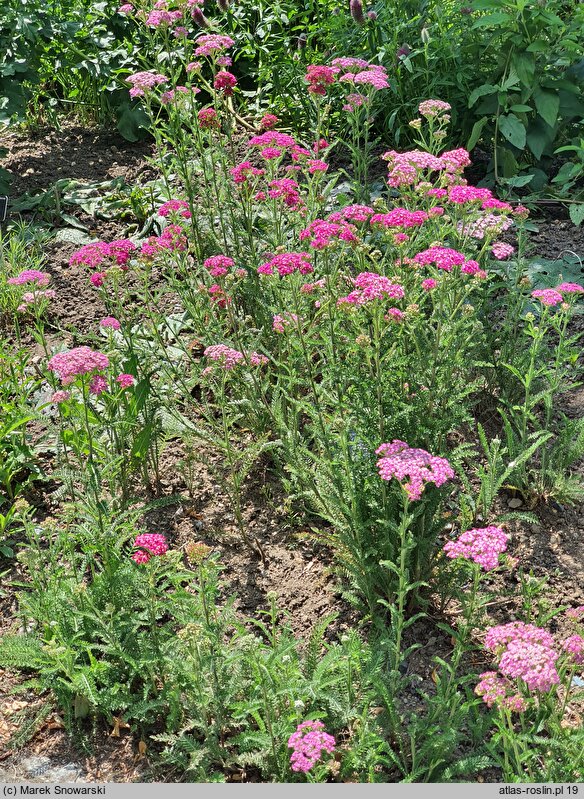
{"x": 501, "y": 251}
{"x": 319, "y": 77}
{"x": 399, "y": 218}
{"x": 413, "y": 468}
{"x": 570, "y": 288}
{"x": 498, "y": 691}
{"x": 442, "y": 257}
{"x": 370, "y": 286}
{"x": 321, "y": 233}
{"x": 30, "y": 276}
{"x": 211, "y": 43}
{"x": 272, "y": 138}
{"x": 286, "y": 263}
{"x": 110, "y": 322}
{"x": 218, "y": 265}
{"x": 225, "y": 82}
{"x": 482, "y": 545}
{"x": 548, "y": 297}
{"x": 149, "y": 545}
{"x": 143, "y": 82}
{"x": 178, "y": 207}
{"x": 228, "y": 358}
{"x": 433, "y": 108}
{"x": 309, "y": 742}
{"x": 78, "y": 361}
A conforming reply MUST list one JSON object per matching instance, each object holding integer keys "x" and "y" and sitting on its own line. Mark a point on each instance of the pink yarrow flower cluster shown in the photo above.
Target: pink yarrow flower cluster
{"x": 482, "y": 545}
{"x": 272, "y": 138}
{"x": 30, "y": 276}
{"x": 574, "y": 648}
{"x": 95, "y": 254}
{"x": 143, "y": 82}
{"x": 309, "y": 742}
{"x": 229, "y": 358}
{"x": 352, "y": 213}
{"x": 399, "y": 218}
{"x": 446, "y": 258}
{"x": 525, "y": 652}
{"x": 433, "y": 108}
{"x": 370, "y": 286}
{"x": 149, "y": 545}
{"x": 244, "y": 171}
{"x": 218, "y": 265}
{"x": 498, "y": 691}
{"x": 78, "y": 361}
{"x": 281, "y": 321}
{"x": 319, "y": 77}
{"x": 321, "y": 233}
{"x": 225, "y": 82}
{"x": 286, "y": 263}
{"x": 501, "y": 251}
{"x": 178, "y": 207}
{"x": 211, "y": 43}
{"x": 171, "y": 239}
{"x": 415, "y": 466}
{"x": 110, "y": 322}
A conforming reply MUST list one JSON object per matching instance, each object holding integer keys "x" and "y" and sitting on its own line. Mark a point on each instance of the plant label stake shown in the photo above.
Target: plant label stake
{"x": 3, "y": 208}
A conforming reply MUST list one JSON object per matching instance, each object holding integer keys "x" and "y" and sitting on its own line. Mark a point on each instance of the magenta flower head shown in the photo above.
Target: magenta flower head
{"x": 225, "y": 82}
{"x": 149, "y": 544}
{"x": 481, "y": 546}
{"x": 125, "y": 380}
{"x": 415, "y": 466}
{"x": 309, "y": 742}
{"x": 78, "y": 361}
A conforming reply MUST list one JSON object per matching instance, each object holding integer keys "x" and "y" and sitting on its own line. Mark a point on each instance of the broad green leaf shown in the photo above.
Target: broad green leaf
{"x": 524, "y": 64}
{"x": 513, "y": 130}
{"x": 475, "y": 133}
{"x": 481, "y": 91}
{"x": 538, "y": 137}
{"x": 492, "y": 20}
{"x": 521, "y": 109}
{"x": 548, "y": 105}
{"x": 577, "y": 213}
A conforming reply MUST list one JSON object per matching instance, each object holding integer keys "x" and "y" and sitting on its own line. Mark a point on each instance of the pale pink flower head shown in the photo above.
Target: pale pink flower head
{"x": 149, "y": 545}
{"x": 498, "y": 691}
{"x": 60, "y": 396}
{"x": 501, "y": 251}
{"x": 433, "y": 108}
{"x": 414, "y": 466}
{"x": 210, "y": 43}
{"x": 576, "y": 614}
{"x": 126, "y": 8}
{"x": 143, "y": 82}
{"x": 308, "y": 743}
{"x": 111, "y": 322}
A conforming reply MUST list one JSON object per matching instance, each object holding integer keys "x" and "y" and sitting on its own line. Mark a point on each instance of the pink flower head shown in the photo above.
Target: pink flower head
{"x": 244, "y": 171}
{"x": 78, "y": 361}
{"x": 97, "y": 385}
{"x": 574, "y": 647}
{"x": 429, "y": 284}
{"x": 352, "y": 213}
{"x": 270, "y": 153}
{"x": 286, "y": 263}
{"x": 210, "y": 43}
{"x": 149, "y": 545}
{"x": 570, "y": 288}
{"x": 500, "y": 636}
{"x": 30, "y": 276}
{"x": 225, "y": 81}
{"x": 229, "y": 358}
{"x": 399, "y": 218}
{"x": 322, "y": 233}
{"x": 282, "y": 321}
{"x": 317, "y": 165}
{"x": 575, "y": 613}
{"x": 534, "y": 663}
{"x": 482, "y": 546}
{"x": 443, "y": 257}
{"x": 308, "y": 744}
{"x": 272, "y": 138}
{"x": 268, "y": 121}
{"x": 319, "y": 77}
{"x": 501, "y": 250}
{"x": 372, "y": 77}
{"x": 218, "y": 265}
{"x": 143, "y": 82}
{"x": 548, "y": 297}
{"x": 180, "y": 207}
{"x": 127, "y": 8}
{"x": 194, "y": 66}
{"x": 400, "y": 461}
{"x": 350, "y": 64}
{"x": 208, "y": 119}
{"x": 111, "y": 322}
{"x": 496, "y": 690}
{"x": 125, "y": 380}
{"x": 60, "y": 396}
{"x": 370, "y": 286}
{"x": 433, "y": 108}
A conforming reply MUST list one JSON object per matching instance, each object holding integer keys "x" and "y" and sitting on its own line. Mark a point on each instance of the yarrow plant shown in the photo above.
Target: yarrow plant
{"x": 309, "y": 744}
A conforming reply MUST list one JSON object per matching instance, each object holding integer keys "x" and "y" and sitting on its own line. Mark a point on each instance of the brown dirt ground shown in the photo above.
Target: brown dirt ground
{"x": 297, "y": 569}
